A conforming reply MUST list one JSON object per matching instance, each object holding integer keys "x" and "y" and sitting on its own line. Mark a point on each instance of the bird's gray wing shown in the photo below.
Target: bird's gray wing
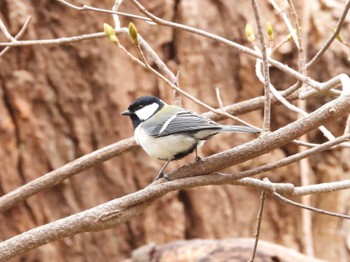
{"x": 185, "y": 121}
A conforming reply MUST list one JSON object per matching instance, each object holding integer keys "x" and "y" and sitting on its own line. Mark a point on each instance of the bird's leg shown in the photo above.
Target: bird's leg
{"x": 198, "y": 158}
{"x": 161, "y": 174}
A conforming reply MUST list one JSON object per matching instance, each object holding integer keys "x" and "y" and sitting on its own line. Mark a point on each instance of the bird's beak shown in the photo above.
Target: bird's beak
{"x": 126, "y": 113}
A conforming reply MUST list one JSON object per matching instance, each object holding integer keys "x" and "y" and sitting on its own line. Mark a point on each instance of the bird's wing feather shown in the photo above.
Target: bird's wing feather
{"x": 184, "y": 121}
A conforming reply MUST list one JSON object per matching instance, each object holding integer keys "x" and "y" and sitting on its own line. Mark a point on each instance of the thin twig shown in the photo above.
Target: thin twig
{"x": 172, "y": 82}
{"x": 227, "y": 42}
{"x": 177, "y": 97}
{"x": 284, "y": 16}
{"x": 331, "y": 38}
{"x": 314, "y": 209}
{"x": 304, "y": 165}
{"x": 321, "y": 188}
{"x": 115, "y": 7}
{"x": 267, "y": 104}
{"x": 218, "y": 98}
{"x": 258, "y": 225}
{"x": 63, "y": 40}
{"x": 19, "y": 34}
{"x": 277, "y": 46}
{"x": 58, "y": 41}
{"x": 5, "y": 32}
{"x": 95, "y": 9}
{"x": 293, "y": 158}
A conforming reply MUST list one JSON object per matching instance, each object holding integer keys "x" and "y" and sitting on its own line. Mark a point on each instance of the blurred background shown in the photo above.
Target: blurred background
{"x": 59, "y": 102}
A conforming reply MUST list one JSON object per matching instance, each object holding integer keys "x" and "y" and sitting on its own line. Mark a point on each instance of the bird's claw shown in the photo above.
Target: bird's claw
{"x": 159, "y": 176}
{"x": 166, "y": 177}
{"x": 162, "y": 175}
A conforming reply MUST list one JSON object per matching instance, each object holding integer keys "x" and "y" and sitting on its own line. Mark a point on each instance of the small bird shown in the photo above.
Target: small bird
{"x": 168, "y": 132}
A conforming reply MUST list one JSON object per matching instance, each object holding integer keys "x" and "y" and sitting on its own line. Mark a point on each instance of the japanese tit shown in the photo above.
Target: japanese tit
{"x": 169, "y": 132}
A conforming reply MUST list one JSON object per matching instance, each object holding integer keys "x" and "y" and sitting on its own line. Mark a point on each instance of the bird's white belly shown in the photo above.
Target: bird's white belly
{"x": 164, "y": 148}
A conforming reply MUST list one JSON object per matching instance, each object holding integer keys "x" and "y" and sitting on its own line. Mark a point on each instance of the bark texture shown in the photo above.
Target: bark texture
{"x": 60, "y": 102}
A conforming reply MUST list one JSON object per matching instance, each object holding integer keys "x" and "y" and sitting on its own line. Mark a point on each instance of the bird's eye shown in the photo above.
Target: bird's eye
{"x": 140, "y": 106}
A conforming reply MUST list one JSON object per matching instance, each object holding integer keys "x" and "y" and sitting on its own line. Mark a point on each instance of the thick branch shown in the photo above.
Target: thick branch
{"x": 267, "y": 142}
{"x": 58, "y": 175}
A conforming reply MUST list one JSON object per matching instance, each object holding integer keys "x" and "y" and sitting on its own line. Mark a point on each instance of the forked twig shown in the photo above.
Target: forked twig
{"x": 258, "y": 225}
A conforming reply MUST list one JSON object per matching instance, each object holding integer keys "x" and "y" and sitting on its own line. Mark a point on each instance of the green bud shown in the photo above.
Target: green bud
{"x": 109, "y": 31}
{"x": 269, "y": 30}
{"x": 133, "y": 33}
{"x": 339, "y": 36}
{"x": 249, "y": 32}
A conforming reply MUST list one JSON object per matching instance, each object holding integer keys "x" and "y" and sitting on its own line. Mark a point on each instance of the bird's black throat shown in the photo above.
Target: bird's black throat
{"x": 135, "y": 120}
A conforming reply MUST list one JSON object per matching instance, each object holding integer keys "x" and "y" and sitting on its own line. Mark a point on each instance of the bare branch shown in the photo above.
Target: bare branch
{"x": 115, "y": 7}
{"x": 321, "y": 188}
{"x": 331, "y": 38}
{"x": 60, "y": 40}
{"x": 267, "y": 104}
{"x": 58, "y": 175}
{"x": 284, "y": 16}
{"x": 293, "y": 158}
{"x": 314, "y": 209}
{"x": 304, "y": 165}
{"x": 280, "y": 66}
{"x": 90, "y": 8}
{"x": 258, "y": 225}
{"x": 227, "y": 42}
{"x": 19, "y": 34}
{"x": 6, "y": 33}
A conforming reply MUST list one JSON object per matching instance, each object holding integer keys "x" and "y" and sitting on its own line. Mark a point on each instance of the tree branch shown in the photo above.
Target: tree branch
{"x": 266, "y": 142}
{"x": 258, "y": 225}
{"x": 267, "y": 104}
{"x": 330, "y": 40}
{"x": 19, "y": 34}
{"x": 58, "y": 175}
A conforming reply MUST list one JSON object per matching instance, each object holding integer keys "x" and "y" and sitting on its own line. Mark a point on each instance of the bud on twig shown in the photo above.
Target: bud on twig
{"x": 249, "y": 32}
{"x": 109, "y": 31}
{"x": 133, "y": 33}
{"x": 269, "y": 30}
{"x": 339, "y": 36}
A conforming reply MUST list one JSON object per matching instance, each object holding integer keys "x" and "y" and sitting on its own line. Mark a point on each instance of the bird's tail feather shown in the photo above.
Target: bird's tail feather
{"x": 239, "y": 129}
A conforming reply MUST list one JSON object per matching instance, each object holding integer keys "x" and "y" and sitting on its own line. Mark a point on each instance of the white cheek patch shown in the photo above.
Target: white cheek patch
{"x": 147, "y": 111}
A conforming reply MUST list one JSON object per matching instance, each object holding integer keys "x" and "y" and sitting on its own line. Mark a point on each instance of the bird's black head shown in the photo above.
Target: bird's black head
{"x": 143, "y": 108}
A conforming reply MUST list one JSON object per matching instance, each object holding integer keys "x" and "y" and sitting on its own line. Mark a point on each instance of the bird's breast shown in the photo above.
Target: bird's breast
{"x": 166, "y": 147}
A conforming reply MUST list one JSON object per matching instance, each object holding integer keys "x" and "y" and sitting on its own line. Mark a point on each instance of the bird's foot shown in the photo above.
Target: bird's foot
{"x": 159, "y": 176}
{"x": 162, "y": 175}
{"x": 166, "y": 177}
{"x": 198, "y": 158}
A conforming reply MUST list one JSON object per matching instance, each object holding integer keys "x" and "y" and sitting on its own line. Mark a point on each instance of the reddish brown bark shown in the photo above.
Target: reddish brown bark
{"x": 60, "y": 102}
